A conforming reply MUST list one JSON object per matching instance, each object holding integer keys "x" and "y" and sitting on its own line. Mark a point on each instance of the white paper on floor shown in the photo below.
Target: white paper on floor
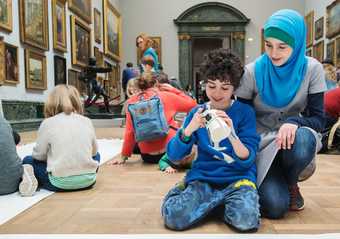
{"x": 13, "y": 204}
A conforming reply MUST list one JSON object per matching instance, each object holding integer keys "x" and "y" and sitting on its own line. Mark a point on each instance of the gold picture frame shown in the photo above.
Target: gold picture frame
{"x": 112, "y": 31}
{"x": 333, "y": 19}
{"x": 330, "y": 51}
{"x": 309, "y": 19}
{"x": 2, "y": 60}
{"x": 81, "y": 42}
{"x": 262, "y": 42}
{"x": 337, "y": 52}
{"x": 82, "y": 8}
{"x": 319, "y": 28}
{"x": 6, "y": 16}
{"x": 59, "y": 25}
{"x": 11, "y": 61}
{"x": 35, "y": 70}
{"x": 318, "y": 51}
{"x": 99, "y": 56}
{"x": 97, "y": 25}
{"x": 157, "y": 45}
{"x": 34, "y": 23}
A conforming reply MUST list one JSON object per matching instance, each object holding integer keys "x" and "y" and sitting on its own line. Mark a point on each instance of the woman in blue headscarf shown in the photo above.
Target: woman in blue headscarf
{"x": 286, "y": 89}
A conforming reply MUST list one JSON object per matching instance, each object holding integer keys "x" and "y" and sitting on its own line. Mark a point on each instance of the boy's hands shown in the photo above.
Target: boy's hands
{"x": 196, "y": 122}
{"x": 170, "y": 170}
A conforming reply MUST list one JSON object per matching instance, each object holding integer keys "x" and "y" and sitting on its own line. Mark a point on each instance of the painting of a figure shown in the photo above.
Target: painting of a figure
{"x": 11, "y": 64}
{"x": 81, "y": 42}
{"x": 112, "y": 31}
{"x": 6, "y": 15}
{"x": 59, "y": 25}
{"x": 59, "y": 70}
{"x": 82, "y": 8}
{"x": 318, "y": 51}
{"x": 330, "y": 50}
{"x": 35, "y": 70}
{"x": 333, "y": 19}
{"x": 33, "y": 23}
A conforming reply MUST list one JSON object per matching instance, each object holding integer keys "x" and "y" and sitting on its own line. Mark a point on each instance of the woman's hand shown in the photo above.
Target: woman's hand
{"x": 196, "y": 122}
{"x": 286, "y": 136}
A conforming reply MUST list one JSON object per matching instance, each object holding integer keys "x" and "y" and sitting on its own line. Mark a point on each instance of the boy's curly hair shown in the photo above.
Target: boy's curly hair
{"x": 223, "y": 65}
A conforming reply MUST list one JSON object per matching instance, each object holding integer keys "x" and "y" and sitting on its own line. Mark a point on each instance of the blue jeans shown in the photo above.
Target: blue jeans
{"x": 284, "y": 172}
{"x": 41, "y": 173}
{"x": 182, "y": 209}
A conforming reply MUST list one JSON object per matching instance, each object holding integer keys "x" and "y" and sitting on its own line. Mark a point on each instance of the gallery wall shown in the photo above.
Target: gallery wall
{"x": 19, "y": 91}
{"x": 155, "y": 17}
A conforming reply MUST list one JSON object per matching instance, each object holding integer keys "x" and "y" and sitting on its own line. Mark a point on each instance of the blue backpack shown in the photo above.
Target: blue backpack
{"x": 148, "y": 119}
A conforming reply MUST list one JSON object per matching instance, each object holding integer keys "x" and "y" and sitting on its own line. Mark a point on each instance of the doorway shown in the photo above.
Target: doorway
{"x": 200, "y": 47}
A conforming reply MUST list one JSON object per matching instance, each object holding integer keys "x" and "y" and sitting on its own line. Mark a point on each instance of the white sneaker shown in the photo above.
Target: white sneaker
{"x": 29, "y": 183}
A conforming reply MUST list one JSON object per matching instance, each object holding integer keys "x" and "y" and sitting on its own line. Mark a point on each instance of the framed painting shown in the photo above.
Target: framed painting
{"x": 330, "y": 50}
{"x": 112, "y": 31}
{"x": 319, "y": 28}
{"x": 6, "y": 16}
{"x": 157, "y": 45}
{"x": 59, "y": 25}
{"x": 99, "y": 56}
{"x": 97, "y": 26}
{"x": 81, "y": 42}
{"x": 73, "y": 79}
{"x": 318, "y": 51}
{"x": 262, "y": 42}
{"x": 337, "y": 52}
{"x": 35, "y": 69}
{"x": 9, "y": 71}
{"x": 309, "y": 19}
{"x": 2, "y": 60}
{"x": 333, "y": 19}
{"x": 309, "y": 52}
{"x": 81, "y": 8}
{"x": 34, "y": 23}
{"x": 59, "y": 70}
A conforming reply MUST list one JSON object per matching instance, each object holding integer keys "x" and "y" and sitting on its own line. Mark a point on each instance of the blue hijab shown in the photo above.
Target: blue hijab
{"x": 278, "y": 85}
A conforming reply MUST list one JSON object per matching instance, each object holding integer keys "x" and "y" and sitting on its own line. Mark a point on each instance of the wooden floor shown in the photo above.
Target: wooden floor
{"x": 127, "y": 199}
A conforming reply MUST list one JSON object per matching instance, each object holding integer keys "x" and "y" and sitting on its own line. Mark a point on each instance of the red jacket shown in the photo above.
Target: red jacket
{"x": 173, "y": 101}
{"x": 332, "y": 102}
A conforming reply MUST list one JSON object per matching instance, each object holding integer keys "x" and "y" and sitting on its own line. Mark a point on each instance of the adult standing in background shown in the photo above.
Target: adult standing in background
{"x": 281, "y": 84}
{"x": 144, "y": 43}
{"x": 128, "y": 73}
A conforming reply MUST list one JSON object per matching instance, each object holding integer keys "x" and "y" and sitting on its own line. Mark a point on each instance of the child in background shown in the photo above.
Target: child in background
{"x": 223, "y": 177}
{"x": 65, "y": 156}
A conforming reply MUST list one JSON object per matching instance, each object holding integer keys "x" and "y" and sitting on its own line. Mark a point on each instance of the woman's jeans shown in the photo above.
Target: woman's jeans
{"x": 237, "y": 205}
{"x": 41, "y": 173}
{"x": 284, "y": 172}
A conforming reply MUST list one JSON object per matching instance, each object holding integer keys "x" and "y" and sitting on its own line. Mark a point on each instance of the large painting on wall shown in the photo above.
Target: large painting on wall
{"x": 309, "y": 19}
{"x": 82, "y": 8}
{"x": 6, "y": 15}
{"x": 34, "y": 23}
{"x": 35, "y": 68}
{"x": 81, "y": 42}
{"x": 333, "y": 19}
{"x": 59, "y": 25}
{"x": 157, "y": 45}
{"x": 112, "y": 31}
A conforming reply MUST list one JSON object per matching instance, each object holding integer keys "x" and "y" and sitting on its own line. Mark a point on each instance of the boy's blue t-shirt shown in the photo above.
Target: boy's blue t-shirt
{"x": 209, "y": 166}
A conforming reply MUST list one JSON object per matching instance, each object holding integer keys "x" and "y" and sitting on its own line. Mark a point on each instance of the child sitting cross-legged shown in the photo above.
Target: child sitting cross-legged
{"x": 65, "y": 157}
{"x": 223, "y": 176}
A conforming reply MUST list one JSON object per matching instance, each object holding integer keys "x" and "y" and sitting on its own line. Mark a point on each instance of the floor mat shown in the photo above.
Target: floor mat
{"x": 13, "y": 204}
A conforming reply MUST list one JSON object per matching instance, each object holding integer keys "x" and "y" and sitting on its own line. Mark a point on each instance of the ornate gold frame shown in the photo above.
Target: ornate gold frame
{"x": 74, "y": 7}
{"x": 23, "y": 31}
{"x": 61, "y": 46}
{"x": 77, "y": 21}
{"x": 8, "y": 26}
{"x": 30, "y": 54}
{"x": 108, "y": 7}
{"x": 309, "y": 18}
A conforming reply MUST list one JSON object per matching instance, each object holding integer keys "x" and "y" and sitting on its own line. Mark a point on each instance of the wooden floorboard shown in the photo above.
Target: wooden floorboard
{"x": 127, "y": 200}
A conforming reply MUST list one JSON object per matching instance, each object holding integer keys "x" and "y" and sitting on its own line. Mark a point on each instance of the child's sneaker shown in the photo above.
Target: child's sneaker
{"x": 29, "y": 183}
{"x": 297, "y": 203}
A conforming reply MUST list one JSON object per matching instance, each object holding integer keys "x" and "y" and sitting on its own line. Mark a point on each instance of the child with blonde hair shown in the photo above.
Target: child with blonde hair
{"x": 65, "y": 157}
